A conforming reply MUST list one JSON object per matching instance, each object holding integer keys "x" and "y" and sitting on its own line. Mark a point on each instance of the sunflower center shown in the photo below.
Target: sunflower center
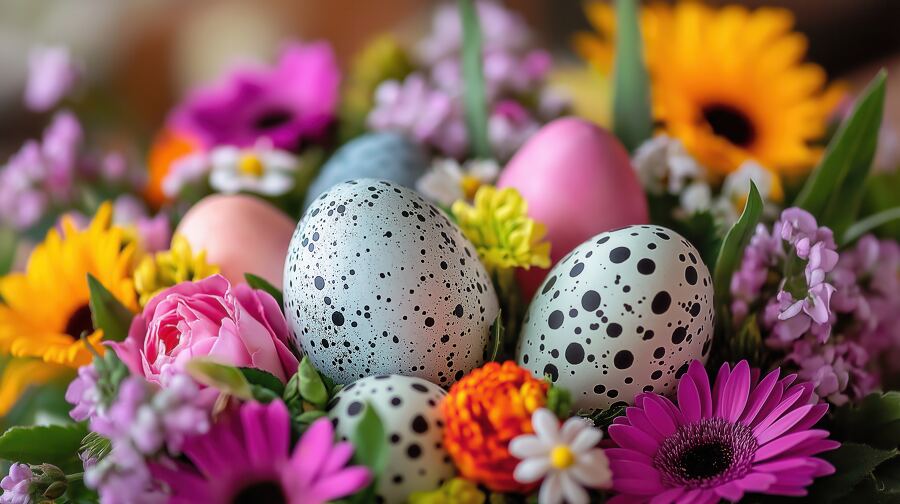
{"x": 730, "y": 123}
{"x": 272, "y": 118}
{"x": 80, "y": 322}
{"x": 269, "y": 492}
{"x": 705, "y": 454}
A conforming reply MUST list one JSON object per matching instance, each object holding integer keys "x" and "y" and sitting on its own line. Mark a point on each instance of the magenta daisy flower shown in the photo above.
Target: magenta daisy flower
{"x": 742, "y": 435}
{"x": 245, "y": 458}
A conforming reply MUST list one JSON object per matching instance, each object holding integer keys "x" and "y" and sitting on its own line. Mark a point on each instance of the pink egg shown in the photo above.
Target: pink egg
{"x": 241, "y": 234}
{"x": 578, "y": 181}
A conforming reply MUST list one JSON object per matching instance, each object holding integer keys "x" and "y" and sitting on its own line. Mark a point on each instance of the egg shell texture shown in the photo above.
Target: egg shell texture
{"x": 578, "y": 181}
{"x": 385, "y": 156}
{"x": 409, "y": 409}
{"x": 240, "y": 234}
{"x": 379, "y": 281}
{"x": 624, "y": 313}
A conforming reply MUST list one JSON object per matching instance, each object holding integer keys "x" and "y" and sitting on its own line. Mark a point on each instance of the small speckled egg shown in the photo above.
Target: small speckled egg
{"x": 624, "y": 313}
{"x": 386, "y": 156}
{"x": 240, "y": 234}
{"x": 409, "y": 409}
{"x": 379, "y": 281}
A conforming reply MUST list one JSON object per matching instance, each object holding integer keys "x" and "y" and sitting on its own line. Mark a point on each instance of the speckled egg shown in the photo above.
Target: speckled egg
{"x": 379, "y": 281}
{"x": 386, "y": 156}
{"x": 409, "y": 409}
{"x": 624, "y": 313}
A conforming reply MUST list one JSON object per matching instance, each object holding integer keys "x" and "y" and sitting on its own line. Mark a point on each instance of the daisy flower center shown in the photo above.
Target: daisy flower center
{"x": 730, "y": 123}
{"x": 561, "y": 457}
{"x": 80, "y": 322}
{"x": 250, "y": 164}
{"x": 260, "y": 491}
{"x": 706, "y": 454}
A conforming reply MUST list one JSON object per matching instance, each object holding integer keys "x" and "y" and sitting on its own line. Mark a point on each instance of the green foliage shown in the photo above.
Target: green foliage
{"x": 870, "y": 224}
{"x": 370, "y": 449}
{"x": 39, "y": 444}
{"x": 498, "y": 332}
{"x": 883, "y": 193}
{"x": 474, "y": 99}
{"x": 834, "y": 191}
{"x": 107, "y": 312}
{"x": 875, "y": 421}
{"x": 732, "y": 250}
{"x": 559, "y": 401}
{"x": 262, "y": 284}
{"x": 227, "y": 379}
{"x": 603, "y": 418}
{"x": 94, "y": 445}
{"x": 9, "y": 242}
{"x": 853, "y": 464}
{"x": 632, "y": 116}
{"x": 307, "y": 394}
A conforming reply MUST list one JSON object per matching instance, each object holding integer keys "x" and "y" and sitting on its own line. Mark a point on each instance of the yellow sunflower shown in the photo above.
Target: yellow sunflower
{"x": 45, "y": 310}
{"x": 729, "y": 83}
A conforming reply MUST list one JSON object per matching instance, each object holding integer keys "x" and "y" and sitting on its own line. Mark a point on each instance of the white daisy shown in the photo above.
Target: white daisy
{"x": 261, "y": 169}
{"x": 736, "y": 189}
{"x": 565, "y": 457}
{"x": 446, "y": 181}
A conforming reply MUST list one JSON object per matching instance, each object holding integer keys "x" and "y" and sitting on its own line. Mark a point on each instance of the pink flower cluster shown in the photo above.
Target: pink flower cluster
{"x": 428, "y": 106}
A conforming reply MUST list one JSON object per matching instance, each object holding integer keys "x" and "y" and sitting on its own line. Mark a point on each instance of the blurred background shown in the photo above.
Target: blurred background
{"x": 141, "y": 55}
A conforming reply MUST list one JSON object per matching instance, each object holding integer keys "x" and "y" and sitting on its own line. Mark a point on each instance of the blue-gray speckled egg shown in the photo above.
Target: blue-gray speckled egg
{"x": 386, "y": 156}
{"x": 409, "y": 409}
{"x": 379, "y": 281}
{"x": 623, "y": 313}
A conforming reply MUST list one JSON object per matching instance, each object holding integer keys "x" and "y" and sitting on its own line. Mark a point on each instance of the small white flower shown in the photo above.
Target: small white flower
{"x": 664, "y": 166}
{"x": 446, "y": 181}
{"x": 261, "y": 169}
{"x": 564, "y": 457}
{"x": 185, "y": 170}
{"x": 736, "y": 189}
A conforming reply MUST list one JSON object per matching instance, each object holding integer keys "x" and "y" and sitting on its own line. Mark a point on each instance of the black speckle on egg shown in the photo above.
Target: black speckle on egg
{"x": 590, "y": 300}
{"x": 619, "y": 255}
{"x": 319, "y": 282}
{"x": 337, "y": 318}
{"x": 678, "y": 335}
{"x": 576, "y": 270}
{"x": 646, "y": 266}
{"x": 556, "y": 319}
{"x": 623, "y": 359}
{"x": 614, "y": 330}
{"x": 551, "y": 371}
{"x": 690, "y": 275}
{"x": 661, "y": 302}
{"x": 574, "y": 353}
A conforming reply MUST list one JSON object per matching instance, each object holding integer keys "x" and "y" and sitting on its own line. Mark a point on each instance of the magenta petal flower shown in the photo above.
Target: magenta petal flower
{"x": 246, "y": 458}
{"x": 291, "y": 103}
{"x": 740, "y": 435}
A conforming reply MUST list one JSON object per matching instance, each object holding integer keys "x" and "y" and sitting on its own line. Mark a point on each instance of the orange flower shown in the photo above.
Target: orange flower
{"x": 168, "y": 147}
{"x": 483, "y": 412}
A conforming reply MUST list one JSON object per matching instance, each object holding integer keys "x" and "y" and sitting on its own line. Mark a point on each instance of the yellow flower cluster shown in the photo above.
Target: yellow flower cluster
{"x": 165, "y": 269}
{"x": 455, "y": 491}
{"x": 499, "y": 227}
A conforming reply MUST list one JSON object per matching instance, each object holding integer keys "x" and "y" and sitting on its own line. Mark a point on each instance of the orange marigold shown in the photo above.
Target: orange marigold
{"x": 169, "y": 146}
{"x": 482, "y": 413}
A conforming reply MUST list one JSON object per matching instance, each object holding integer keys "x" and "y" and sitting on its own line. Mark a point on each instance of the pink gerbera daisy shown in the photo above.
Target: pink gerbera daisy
{"x": 245, "y": 458}
{"x": 744, "y": 435}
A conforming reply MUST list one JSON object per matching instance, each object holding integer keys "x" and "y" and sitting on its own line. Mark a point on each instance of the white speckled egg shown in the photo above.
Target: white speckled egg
{"x": 379, "y": 281}
{"x": 624, "y": 313}
{"x": 409, "y": 409}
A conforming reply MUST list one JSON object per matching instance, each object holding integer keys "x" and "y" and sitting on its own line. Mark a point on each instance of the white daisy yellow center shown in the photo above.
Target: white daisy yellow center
{"x": 469, "y": 186}
{"x": 561, "y": 457}
{"x": 250, "y": 164}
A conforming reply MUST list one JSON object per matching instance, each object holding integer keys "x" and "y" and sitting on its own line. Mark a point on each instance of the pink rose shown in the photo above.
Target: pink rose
{"x": 238, "y": 326}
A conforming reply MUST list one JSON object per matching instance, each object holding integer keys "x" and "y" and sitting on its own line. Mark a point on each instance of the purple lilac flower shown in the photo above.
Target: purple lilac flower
{"x": 838, "y": 371}
{"x": 17, "y": 485}
{"x": 293, "y": 102}
{"x": 799, "y": 254}
{"x": 51, "y": 76}
{"x": 83, "y": 393}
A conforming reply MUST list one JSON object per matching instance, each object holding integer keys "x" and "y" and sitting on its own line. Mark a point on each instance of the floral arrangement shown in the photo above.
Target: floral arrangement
{"x": 487, "y": 297}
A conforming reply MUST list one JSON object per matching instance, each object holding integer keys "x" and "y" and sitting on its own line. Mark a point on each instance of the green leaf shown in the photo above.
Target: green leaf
{"x": 559, "y": 401}
{"x": 50, "y": 444}
{"x": 95, "y": 446}
{"x": 107, "y": 312}
{"x": 312, "y": 388}
{"x": 227, "y": 379}
{"x": 370, "y": 443}
{"x": 833, "y": 193}
{"x": 474, "y": 98}
{"x": 603, "y": 418}
{"x": 632, "y": 116}
{"x": 853, "y": 462}
{"x": 870, "y": 223}
{"x": 262, "y": 284}
{"x": 264, "y": 379}
{"x": 497, "y": 334}
{"x": 732, "y": 251}
{"x": 9, "y": 244}
{"x": 875, "y": 420}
